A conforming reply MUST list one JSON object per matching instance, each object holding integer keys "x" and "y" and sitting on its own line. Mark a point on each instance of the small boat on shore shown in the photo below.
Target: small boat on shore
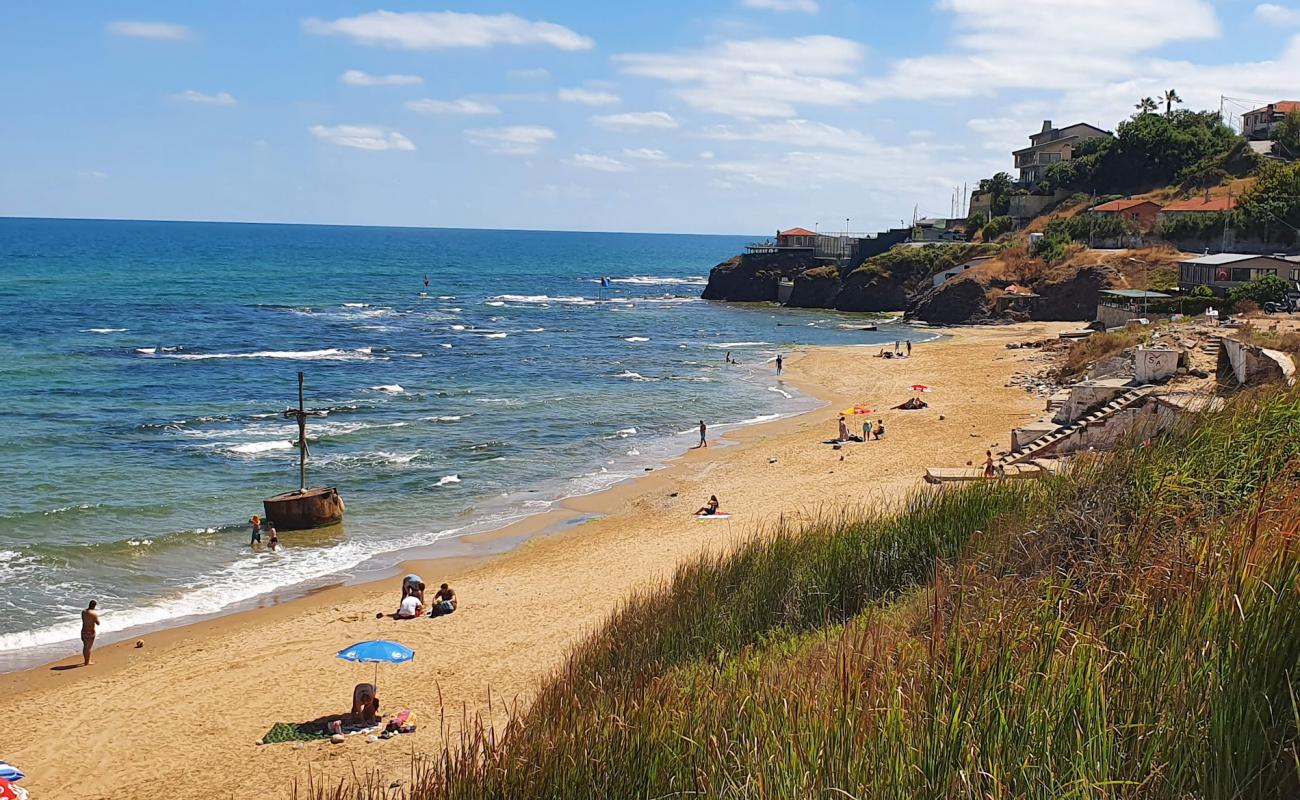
{"x": 307, "y": 507}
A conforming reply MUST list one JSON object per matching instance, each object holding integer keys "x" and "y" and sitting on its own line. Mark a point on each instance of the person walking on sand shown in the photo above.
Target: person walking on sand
{"x": 704, "y": 435}
{"x": 779, "y": 364}
{"x": 89, "y": 621}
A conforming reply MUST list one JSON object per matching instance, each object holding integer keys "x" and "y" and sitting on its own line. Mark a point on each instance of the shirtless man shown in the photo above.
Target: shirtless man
{"x": 89, "y": 619}
{"x": 444, "y": 601}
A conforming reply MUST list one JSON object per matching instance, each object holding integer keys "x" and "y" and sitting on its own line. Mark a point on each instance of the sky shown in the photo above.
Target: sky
{"x": 727, "y": 116}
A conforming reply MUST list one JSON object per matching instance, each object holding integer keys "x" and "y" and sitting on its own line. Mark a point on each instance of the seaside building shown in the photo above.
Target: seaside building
{"x": 1222, "y": 271}
{"x": 1051, "y": 145}
{"x": 1260, "y": 123}
{"x": 939, "y": 229}
{"x": 1203, "y": 204}
{"x": 1142, "y": 213}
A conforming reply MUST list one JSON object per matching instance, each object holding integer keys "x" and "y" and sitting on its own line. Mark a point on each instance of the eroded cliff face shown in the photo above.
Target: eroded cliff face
{"x": 1074, "y": 296}
{"x": 959, "y": 300}
{"x": 753, "y": 277}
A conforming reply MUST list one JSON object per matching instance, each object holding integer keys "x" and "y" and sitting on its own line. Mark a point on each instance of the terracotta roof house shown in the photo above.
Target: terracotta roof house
{"x": 1259, "y": 124}
{"x": 796, "y": 237}
{"x": 1196, "y": 205}
{"x": 1051, "y": 145}
{"x": 1141, "y": 213}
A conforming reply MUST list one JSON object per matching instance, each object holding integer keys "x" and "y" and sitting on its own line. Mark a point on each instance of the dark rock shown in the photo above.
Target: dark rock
{"x": 960, "y": 299}
{"x": 815, "y": 288}
{"x": 1073, "y": 297}
{"x": 753, "y": 277}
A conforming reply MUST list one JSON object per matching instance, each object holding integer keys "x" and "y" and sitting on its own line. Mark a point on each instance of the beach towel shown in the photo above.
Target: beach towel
{"x": 713, "y": 516}
{"x": 9, "y": 772}
{"x": 401, "y": 719}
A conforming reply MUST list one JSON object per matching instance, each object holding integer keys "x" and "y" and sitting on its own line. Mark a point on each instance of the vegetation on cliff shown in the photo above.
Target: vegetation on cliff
{"x": 1128, "y": 629}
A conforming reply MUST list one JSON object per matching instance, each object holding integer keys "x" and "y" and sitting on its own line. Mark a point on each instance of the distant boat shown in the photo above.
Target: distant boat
{"x": 305, "y": 508}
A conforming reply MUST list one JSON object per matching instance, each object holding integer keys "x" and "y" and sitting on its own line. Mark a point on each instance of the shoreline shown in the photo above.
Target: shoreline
{"x": 520, "y": 610}
{"x": 501, "y": 537}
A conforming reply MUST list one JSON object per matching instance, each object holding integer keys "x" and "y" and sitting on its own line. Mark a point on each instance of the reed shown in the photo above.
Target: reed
{"x": 1130, "y": 629}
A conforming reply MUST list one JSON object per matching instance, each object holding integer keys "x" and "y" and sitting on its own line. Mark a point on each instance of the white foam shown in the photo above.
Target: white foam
{"x": 103, "y": 330}
{"x": 447, "y": 418}
{"x": 331, "y": 354}
{"x": 356, "y": 305}
{"x": 249, "y": 448}
{"x": 626, "y": 432}
{"x": 447, "y": 480}
{"x": 636, "y": 338}
{"x": 495, "y": 335}
{"x": 780, "y": 391}
{"x": 458, "y": 327}
{"x": 632, "y": 376}
{"x": 534, "y": 330}
{"x": 494, "y": 303}
{"x": 148, "y": 351}
{"x": 733, "y": 345}
{"x": 541, "y": 299}
{"x": 389, "y": 388}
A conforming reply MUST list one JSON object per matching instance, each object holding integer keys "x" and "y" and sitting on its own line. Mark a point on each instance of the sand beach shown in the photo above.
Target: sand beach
{"x": 186, "y": 711}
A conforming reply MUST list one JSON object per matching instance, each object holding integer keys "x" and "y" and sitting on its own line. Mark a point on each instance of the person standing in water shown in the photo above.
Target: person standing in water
{"x": 256, "y": 538}
{"x": 779, "y": 364}
{"x": 426, "y": 281}
{"x": 89, "y": 621}
{"x": 704, "y": 435}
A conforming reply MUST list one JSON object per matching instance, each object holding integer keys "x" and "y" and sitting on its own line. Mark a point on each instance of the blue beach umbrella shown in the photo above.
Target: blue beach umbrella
{"x": 10, "y": 773}
{"x": 375, "y": 652}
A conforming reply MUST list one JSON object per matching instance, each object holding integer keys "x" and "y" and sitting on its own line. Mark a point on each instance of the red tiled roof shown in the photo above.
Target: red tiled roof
{"x": 798, "y": 232}
{"x": 1203, "y": 204}
{"x": 1120, "y": 205}
{"x": 1283, "y": 106}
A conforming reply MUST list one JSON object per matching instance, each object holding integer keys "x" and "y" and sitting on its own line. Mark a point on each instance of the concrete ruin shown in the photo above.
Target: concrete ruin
{"x": 1242, "y": 364}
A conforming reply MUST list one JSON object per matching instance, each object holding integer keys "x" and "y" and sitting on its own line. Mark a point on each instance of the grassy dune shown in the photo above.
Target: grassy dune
{"x": 1131, "y": 629}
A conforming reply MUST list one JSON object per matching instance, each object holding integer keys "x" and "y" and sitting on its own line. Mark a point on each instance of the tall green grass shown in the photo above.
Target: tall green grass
{"x": 1131, "y": 629}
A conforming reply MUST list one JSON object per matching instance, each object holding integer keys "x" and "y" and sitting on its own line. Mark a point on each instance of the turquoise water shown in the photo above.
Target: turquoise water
{"x": 146, "y": 365}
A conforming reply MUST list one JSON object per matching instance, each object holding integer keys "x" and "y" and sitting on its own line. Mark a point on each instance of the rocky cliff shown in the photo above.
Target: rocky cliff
{"x": 753, "y": 277}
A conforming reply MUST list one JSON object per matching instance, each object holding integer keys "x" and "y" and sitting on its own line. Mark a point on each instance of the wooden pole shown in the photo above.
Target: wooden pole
{"x": 302, "y": 439}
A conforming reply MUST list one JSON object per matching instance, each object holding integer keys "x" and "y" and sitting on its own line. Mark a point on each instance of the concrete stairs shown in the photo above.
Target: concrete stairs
{"x": 1033, "y": 448}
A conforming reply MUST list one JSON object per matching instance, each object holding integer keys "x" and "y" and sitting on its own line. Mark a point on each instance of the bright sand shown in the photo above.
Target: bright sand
{"x": 180, "y": 718}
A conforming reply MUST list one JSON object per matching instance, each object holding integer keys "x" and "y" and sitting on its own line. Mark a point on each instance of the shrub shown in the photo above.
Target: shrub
{"x": 1266, "y": 289}
{"x": 997, "y": 226}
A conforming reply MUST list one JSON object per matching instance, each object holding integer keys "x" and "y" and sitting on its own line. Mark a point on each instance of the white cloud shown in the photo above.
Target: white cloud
{"x": 149, "y": 30}
{"x": 588, "y": 97}
{"x": 599, "y": 163}
{"x": 645, "y": 154}
{"x": 362, "y": 137}
{"x": 1001, "y": 133}
{"x": 93, "y": 175}
{"x": 532, "y": 74}
{"x": 1075, "y": 44}
{"x": 218, "y": 99}
{"x": 1275, "y": 14}
{"x": 635, "y": 119}
{"x": 759, "y": 77}
{"x": 806, "y": 6}
{"x": 706, "y": 155}
{"x": 355, "y": 77}
{"x": 427, "y": 106}
{"x": 436, "y": 30}
{"x": 512, "y": 140}
{"x": 800, "y": 133}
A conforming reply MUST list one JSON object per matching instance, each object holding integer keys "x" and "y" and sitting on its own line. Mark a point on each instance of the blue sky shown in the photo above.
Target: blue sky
{"x": 734, "y": 116}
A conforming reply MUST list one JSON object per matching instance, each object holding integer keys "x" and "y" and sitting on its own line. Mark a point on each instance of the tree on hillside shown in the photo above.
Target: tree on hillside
{"x": 1145, "y": 106}
{"x": 1287, "y": 134}
{"x": 1170, "y": 97}
{"x": 999, "y": 189}
{"x": 1274, "y": 201}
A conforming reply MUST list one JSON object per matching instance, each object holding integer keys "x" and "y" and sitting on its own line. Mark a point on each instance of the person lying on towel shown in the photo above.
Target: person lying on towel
{"x": 365, "y": 703}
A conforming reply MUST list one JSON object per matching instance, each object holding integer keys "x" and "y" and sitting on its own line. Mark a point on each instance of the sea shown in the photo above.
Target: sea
{"x": 146, "y": 368}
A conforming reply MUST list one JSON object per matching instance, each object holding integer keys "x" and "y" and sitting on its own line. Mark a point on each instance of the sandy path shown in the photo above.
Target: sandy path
{"x": 186, "y": 711}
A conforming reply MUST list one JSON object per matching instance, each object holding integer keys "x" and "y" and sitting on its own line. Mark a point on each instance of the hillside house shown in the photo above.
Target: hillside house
{"x": 939, "y": 229}
{"x": 1142, "y": 213}
{"x": 1051, "y": 145}
{"x": 1259, "y": 124}
{"x": 1222, "y": 271}
{"x": 796, "y": 237}
{"x": 1196, "y": 205}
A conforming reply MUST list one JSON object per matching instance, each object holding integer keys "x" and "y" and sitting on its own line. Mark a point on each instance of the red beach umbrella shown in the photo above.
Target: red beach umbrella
{"x": 920, "y": 387}
{"x": 9, "y": 792}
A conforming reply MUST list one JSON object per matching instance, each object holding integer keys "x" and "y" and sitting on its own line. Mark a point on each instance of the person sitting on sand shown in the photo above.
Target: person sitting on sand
{"x": 913, "y": 404}
{"x": 710, "y": 509}
{"x": 844, "y": 429}
{"x": 365, "y": 703}
{"x": 444, "y": 601}
{"x": 411, "y": 607}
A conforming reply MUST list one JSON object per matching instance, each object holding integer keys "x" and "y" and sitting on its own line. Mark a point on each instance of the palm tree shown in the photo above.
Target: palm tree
{"x": 1170, "y": 97}
{"x": 1145, "y": 106}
